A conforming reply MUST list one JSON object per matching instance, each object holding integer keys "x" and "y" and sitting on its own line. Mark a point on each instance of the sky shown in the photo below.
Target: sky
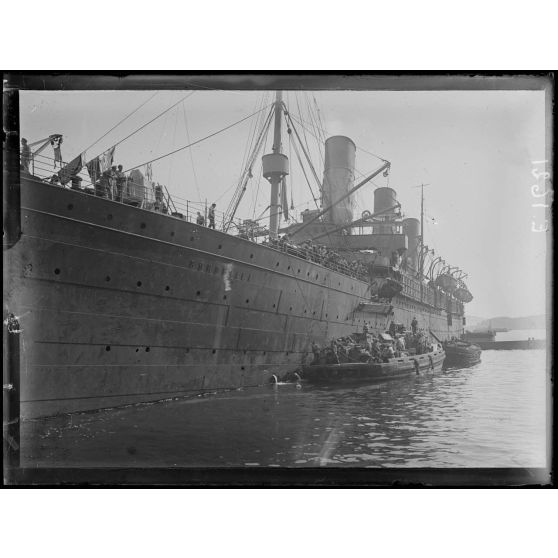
{"x": 473, "y": 149}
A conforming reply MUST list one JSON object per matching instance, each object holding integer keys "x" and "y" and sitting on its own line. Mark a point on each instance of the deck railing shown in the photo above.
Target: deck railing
{"x": 160, "y": 201}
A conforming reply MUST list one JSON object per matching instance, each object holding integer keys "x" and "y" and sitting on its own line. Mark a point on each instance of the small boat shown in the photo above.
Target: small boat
{"x": 460, "y": 353}
{"x": 370, "y": 372}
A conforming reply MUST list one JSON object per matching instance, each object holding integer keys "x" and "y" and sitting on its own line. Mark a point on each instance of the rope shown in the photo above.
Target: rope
{"x": 116, "y": 125}
{"x": 191, "y": 154}
{"x": 197, "y": 141}
{"x": 147, "y": 123}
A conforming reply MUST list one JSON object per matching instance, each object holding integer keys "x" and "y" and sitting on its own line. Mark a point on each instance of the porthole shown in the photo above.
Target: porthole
{"x": 137, "y": 350}
{"x": 290, "y": 308}
{"x": 172, "y": 233}
{"x": 147, "y": 349}
{"x": 191, "y": 239}
{"x": 57, "y": 271}
{"x": 198, "y": 293}
{"x": 107, "y": 348}
{"x": 109, "y": 217}
{"x": 277, "y": 264}
{"x": 107, "y": 278}
{"x": 307, "y": 274}
{"x": 289, "y": 267}
{"x": 274, "y": 306}
{"x": 224, "y": 297}
{"x": 70, "y": 206}
{"x": 138, "y": 283}
{"x": 251, "y": 256}
{"x": 187, "y": 350}
{"x": 245, "y": 351}
{"x": 213, "y": 351}
{"x": 242, "y": 368}
{"x": 220, "y": 246}
{"x": 167, "y": 288}
{"x": 247, "y": 301}
{"x": 143, "y": 225}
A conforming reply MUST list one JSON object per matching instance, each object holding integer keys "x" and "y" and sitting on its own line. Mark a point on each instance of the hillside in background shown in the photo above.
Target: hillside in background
{"x": 525, "y": 322}
{"x": 473, "y": 321}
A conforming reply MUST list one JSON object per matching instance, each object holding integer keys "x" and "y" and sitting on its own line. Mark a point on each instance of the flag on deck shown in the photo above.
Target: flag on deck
{"x": 94, "y": 169}
{"x": 106, "y": 159}
{"x": 71, "y": 169}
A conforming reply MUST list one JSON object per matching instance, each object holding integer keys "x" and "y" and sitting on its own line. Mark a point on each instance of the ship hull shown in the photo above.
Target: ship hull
{"x": 120, "y": 305}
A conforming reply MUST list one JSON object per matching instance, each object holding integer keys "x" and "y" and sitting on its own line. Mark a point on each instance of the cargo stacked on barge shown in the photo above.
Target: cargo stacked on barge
{"x": 123, "y": 298}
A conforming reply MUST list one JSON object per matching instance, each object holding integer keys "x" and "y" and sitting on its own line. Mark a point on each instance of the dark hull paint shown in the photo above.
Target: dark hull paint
{"x": 363, "y": 373}
{"x": 121, "y": 305}
{"x": 462, "y": 356}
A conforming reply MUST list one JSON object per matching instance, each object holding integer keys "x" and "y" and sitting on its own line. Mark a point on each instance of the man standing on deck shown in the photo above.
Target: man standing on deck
{"x": 120, "y": 180}
{"x": 211, "y": 215}
{"x": 25, "y": 154}
{"x": 112, "y": 182}
{"x": 200, "y": 220}
{"x": 104, "y": 185}
{"x": 414, "y": 325}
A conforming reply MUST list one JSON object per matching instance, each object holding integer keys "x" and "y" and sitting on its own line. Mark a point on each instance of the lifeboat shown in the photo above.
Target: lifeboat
{"x": 446, "y": 282}
{"x": 390, "y": 288}
{"x": 463, "y": 295}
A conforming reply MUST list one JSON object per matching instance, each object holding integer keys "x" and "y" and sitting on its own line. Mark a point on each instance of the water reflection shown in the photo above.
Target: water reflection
{"x": 490, "y": 415}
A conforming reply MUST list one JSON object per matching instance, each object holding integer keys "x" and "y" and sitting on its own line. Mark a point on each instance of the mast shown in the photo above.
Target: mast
{"x": 421, "y": 259}
{"x": 275, "y": 167}
{"x": 421, "y": 270}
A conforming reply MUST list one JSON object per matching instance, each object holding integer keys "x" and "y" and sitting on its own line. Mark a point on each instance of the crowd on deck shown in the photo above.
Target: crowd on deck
{"x": 318, "y": 253}
{"x": 368, "y": 347}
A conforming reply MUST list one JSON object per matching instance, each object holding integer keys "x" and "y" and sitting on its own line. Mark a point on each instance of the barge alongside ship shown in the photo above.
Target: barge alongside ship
{"x": 121, "y": 303}
{"x": 371, "y": 372}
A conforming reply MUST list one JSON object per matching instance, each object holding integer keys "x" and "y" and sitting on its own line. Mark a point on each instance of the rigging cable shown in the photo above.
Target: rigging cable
{"x": 247, "y": 174}
{"x": 191, "y": 154}
{"x": 118, "y": 124}
{"x": 288, "y": 115}
{"x": 304, "y": 172}
{"x": 147, "y": 123}
{"x": 173, "y": 142}
{"x": 197, "y": 141}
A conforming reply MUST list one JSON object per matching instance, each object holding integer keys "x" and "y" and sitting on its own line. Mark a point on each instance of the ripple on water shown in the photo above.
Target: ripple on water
{"x": 491, "y": 415}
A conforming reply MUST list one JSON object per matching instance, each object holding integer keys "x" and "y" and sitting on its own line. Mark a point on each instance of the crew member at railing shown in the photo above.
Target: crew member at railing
{"x": 120, "y": 181}
{"x": 158, "y": 197}
{"x": 211, "y": 215}
{"x": 25, "y": 155}
{"x": 104, "y": 185}
{"x": 200, "y": 219}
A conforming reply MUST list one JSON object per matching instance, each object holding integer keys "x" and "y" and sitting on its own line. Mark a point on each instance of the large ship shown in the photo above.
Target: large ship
{"x": 123, "y": 297}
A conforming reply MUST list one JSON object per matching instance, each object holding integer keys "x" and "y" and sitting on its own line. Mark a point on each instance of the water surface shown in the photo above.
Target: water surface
{"x": 490, "y": 415}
